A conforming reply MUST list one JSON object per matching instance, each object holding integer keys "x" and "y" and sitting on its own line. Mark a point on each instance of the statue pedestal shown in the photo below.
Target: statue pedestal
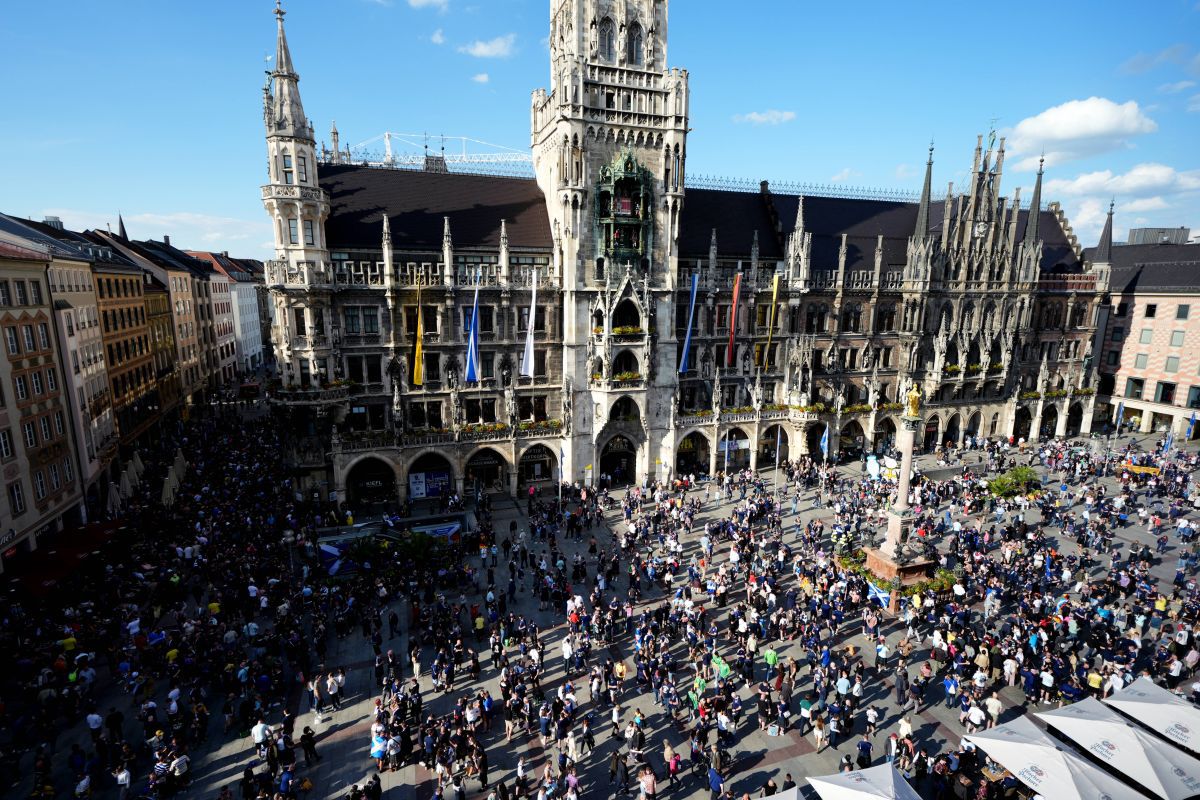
{"x": 888, "y": 569}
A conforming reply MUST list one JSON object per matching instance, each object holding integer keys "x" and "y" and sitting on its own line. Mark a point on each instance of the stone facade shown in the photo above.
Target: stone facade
{"x": 843, "y": 302}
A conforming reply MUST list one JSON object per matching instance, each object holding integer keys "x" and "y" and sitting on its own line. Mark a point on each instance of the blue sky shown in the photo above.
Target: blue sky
{"x": 154, "y": 108}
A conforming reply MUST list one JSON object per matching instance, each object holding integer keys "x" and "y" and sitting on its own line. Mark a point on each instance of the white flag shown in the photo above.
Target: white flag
{"x": 527, "y": 359}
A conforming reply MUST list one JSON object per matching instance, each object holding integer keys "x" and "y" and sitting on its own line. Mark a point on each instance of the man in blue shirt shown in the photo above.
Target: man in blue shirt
{"x": 716, "y": 784}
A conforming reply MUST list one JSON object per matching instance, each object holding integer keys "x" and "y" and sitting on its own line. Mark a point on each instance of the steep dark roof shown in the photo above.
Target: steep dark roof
{"x": 68, "y": 243}
{"x": 416, "y": 203}
{"x": 736, "y": 215}
{"x": 1152, "y": 267}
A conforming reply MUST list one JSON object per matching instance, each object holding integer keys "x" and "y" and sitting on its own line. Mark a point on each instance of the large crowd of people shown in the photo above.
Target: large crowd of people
{"x": 660, "y": 626}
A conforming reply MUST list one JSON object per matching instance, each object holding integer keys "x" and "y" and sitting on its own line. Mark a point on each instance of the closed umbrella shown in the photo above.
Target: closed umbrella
{"x": 134, "y": 478}
{"x": 126, "y": 490}
{"x": 114, "y": 500}
{"x": 137, "y": 463}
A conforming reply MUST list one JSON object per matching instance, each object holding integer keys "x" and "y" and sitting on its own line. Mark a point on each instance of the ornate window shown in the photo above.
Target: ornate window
{"x": 633, "y": 45}
{"x": 608, "y": 40}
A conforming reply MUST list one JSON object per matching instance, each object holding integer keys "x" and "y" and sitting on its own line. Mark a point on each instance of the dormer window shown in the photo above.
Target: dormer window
{"x": 287, "y": 169}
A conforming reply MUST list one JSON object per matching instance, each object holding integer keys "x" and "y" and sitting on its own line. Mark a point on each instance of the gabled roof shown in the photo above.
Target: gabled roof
{"x": 166, "y": 256}
{"x": 1152, "y": 267}
{"x": 416, "y": 203}
{"x": 60, "y": 243}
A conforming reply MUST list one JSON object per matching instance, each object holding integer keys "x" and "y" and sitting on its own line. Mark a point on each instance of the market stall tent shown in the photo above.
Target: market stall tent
{"x": 882, "y": 781}
{"x": 1046, "y": 765}
{"x": 1159, "y": 710}
{"x": 1163, "y": 769}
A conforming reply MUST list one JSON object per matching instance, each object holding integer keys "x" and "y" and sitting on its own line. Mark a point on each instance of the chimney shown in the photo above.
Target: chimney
{"x": 166, "y": 240}
{"x": 53, "y": 222}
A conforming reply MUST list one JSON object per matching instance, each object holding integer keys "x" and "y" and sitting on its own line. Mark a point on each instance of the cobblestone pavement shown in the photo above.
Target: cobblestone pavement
{"x": 343, "y": 736}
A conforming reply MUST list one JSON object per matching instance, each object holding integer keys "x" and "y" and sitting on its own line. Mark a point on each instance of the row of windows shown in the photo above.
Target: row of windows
{"x": 118, "y": 287}
{"x": 121, "y": 352}
{"x": 33, "y": 385}
{"x": 93, "y": 353}
{"x": 42, "y": 424}
{"x": 120, "y": 319}
{"x": 16, "y": 337}
{"x": 1150, "y": 311}
{"x": 20, "y": 293}
{"x": 70, "y": 280}
{"x": 42, "y": 485}
{"x": 1164, "y": 392}
{"x": 300, "y": 169}
{"x": 88, "y": 318}
{"x": 294, "y": 231}
{"x": 133, "y": 381}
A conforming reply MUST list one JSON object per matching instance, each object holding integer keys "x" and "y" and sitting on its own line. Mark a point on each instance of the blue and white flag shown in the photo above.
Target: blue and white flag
{"x": 825, "y": 442}
{"x": 1191, "y": 424}
{"x": 1120, "y": 415}
{"x": 1167, "y": 444}
{"x": 473, "y": 339}
{"x": 877, "y": 595}
{"x": 687, "y": 340}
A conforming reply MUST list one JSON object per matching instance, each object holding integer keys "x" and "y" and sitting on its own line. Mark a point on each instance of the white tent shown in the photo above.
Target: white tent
{"x": 1045, "y": 765}
{"x": 1129, "y": 749}
{"x": 1159, "y": 710}
{"x": 881, "y": 781}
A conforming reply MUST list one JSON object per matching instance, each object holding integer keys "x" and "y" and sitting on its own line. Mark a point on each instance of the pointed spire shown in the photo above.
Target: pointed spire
{"x": 1033, "y": 225}
{"x": 283, "y": 56}
{"x": 1104, "y": 249}
{"x": 333, "y": 134}
{"x": 387, "y": 231}
{"x": 800, "y": 216}
{"x": 446, "y": 240}
{"x": 503, "y": 233}
{"x": 121, "y": 228}
{"x": 922, "y": 227}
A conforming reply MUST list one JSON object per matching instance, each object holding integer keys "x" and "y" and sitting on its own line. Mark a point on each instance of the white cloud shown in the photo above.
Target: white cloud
{"x": 1144, "y": 62}
{"x": 1142, "y": 180}
{"x": 440, "y": 5}
{"x": 500, "y": 47}
{"x": 482, "y": 77}
{"x": 187, "y": 229}
{"x": 904, "y": 171}
{"x": 1194, "y": 103}
{"x": 845, "y": 175}
{"x": 1078, "y": 128}
{"x": 438, "y": 37}
{"x": 771, "y": 116}
{"x": 1176, "y": 87}
{"x": 1155, "y": 203}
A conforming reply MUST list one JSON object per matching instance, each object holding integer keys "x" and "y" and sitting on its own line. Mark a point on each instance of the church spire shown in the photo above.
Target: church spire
{"x": 1033, "y": 224}
{"x": 121, "y": 228}
{"x": 922, "y": 228}
{"x": 1104, "y": 249}
{"x": 285, "y": 113}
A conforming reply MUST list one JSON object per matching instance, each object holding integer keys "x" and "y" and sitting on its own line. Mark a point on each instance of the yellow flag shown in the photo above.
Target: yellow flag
{"x": 771, "y": 325}
{"x": 418, "y": 370}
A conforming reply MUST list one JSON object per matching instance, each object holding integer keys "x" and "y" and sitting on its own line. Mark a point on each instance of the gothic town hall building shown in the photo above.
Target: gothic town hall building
{"x": 985, "y": 302}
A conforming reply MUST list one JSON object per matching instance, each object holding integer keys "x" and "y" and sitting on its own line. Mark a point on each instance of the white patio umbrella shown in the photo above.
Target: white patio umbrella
{"x": 126, "y": 490}
{"x": 1046, "y": 765}
{"x": 134, "y": 479}
{"x": 171, "y": 479}
{"x": 882, "y": 781}
{"x": 1159, "y": 710}
{"x": 168, "y": 494}
{"x": 1137, "y": 753}
{"x": 137, "y": 463}
{"x": 180, "y": 464}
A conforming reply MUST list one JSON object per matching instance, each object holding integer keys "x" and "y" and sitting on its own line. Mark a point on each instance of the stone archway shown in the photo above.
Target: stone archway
{"x": 618, "y": 460}
{"x": 733, "y": 452}
{"x": 772, "y": 436}
{"x": 538, "y": 464}
{"x": 1023, "y": 423}
{"x": 953, "y": 430}
{"x": 486, "y": 470}
{"x": 813, "y": 434}
{"x": 1075, "y": 419}
{"x": 885, "y": 436}
{"x": 371, "y": 480}
{"x": 1049, "y": 420}
{"x": 852, "y": 439}
{"x": 932, "y": 437}
{"x": 692, "y": 454}
{"x": 973, "y": 424}
{"x": 430, "y": 475}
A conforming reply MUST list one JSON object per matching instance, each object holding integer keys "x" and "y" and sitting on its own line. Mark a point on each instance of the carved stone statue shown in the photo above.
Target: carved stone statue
{"x": 674, "y": 409}
{"x": 608, "y": 365}
{"x": 506, "y": 373}
{"x": 839, "y": 400}
{"x": 452, "y": 375}
{"x": 510, "y": 402}
{"x": 745, "y": 361}
{"x": 568, "y": 405}
{"x": 756, "y": 393}
{"x": 456, "y": 410}
{"x": 706, "y": 364}
{"x": 716, "y": 393}
{"x": 913, "y": 408}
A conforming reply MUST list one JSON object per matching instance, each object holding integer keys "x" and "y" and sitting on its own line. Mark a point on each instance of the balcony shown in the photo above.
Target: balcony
{"x": 427, "y": 436}
{"x": 361, "y": 389}
{"x": 282, "y": 191}
{"x": 485, "y": 432}
{"x": 301, "y": 275}
{"x": 312, "y": 396}
{"x": 367, "y": 442}
{"x": 361, "y": 340}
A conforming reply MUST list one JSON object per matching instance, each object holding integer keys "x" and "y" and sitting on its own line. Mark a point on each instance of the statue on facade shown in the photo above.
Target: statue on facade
{"x": 674, "y": 409}
{"x": 716, "y": 393}
{"x": 756, "y": 393}
{"x": 568, "y": 405}
{"x": 913, "y": 407}
{"x": 745, "y": 361}
{"x": 706, "y": 363}
{"x": 608, "y": 365}
{"x": 839, "y": 400}
{"x": 456, "y": 411}
{"x": 510, "y": 405}
{"x": 506, "y": 370}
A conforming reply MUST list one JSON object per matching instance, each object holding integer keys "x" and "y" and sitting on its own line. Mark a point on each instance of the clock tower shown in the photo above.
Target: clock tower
{"x": 609, "y": 143}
